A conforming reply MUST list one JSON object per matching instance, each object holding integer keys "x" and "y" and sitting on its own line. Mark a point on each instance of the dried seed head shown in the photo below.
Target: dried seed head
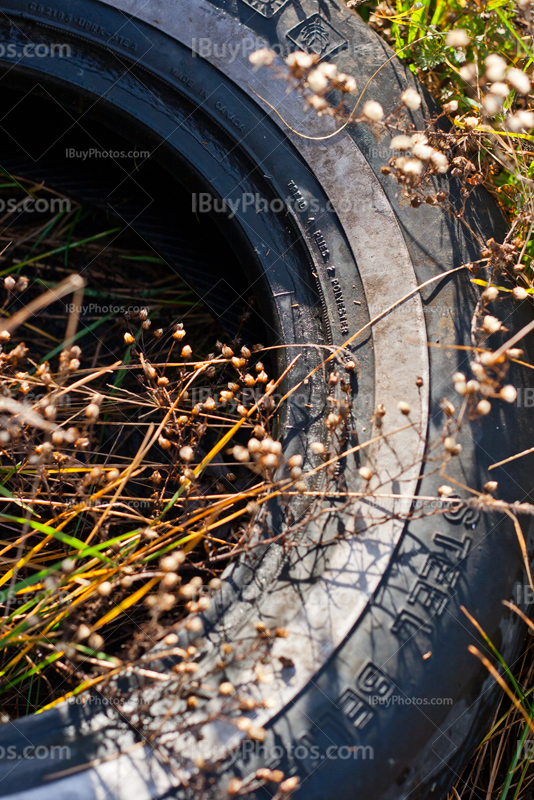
{"x": 447, "y": 407}
{"x": 295, "y": 461}
{"x": 366, "y": 473}
{"x": 178, "y": 334}
{"x": 289, "y": 785}
{"x": 261, "y": 58}
{"x": 262, "y": 377}
{"x": 403, "y": 407}
{"x": 296, "y": 473}
{"x": 234, "y": 785}
{"x": 472, "y": 387}
{"x": 128, "y": 338}
{"x": 186, "y": 351}
{"x": 444, "y": 491}
{"x": 227, "y": 351}
{"x": 318, "y": 448}
{"x": 169, "y": 580}
{"x": 92, "y": 411}
{"x": 490, "y": 487}
{"x": 457, "y": 38}
{"x": 96, "y": 642}
{"x": 518, "y": 80}
{"x": 104, "y": 589}
{"x": 519, "y": 293}
{"x": 411, "y": 99}
{"x": 257, "y": 733}
{"x": 300, "y": 486}
{"x": 10, "y": 283}
{"x": 240, "y": 453}
{"x": 401, "y": 142}
{"x": 449, "y": 444}
{"x": 483, "y": 407}
{"x": 495, "y": 67}
{"x": 82, "y": 633}
{"x": 373, "y": 111}
{"x": 164, "y": 443}
{"x": 187, "y": 453}
{"x": 171, "y": 562}
{"x": 68, "y": 565}
{"x": 508, "y": 394}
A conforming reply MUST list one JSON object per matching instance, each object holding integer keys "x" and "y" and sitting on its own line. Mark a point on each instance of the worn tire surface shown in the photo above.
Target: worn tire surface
{"x": 364, "y": 596}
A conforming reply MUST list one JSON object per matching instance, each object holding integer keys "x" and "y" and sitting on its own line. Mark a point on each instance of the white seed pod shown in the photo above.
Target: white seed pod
{"x": 317, "y": 81}
{"x": 477, "y": 370}
{"x": 412, "y": 167}
{"x": 345, "y": 82}
{"x": 226, "y": 689}
{"x": 483, "y": 407}
{"x": 300, "y": 59}
{"x": 296, "y": 473}
{"x": 373, "y": 111}
{"x": 82, "y": 633}
{"x": 96, "y": 642}
{"x": 472, "y": 387}
{"x": 514, "y": 352}
{"x": 458, "y": 377}
{"x": 440, "y": 162}
{"x": 366, "y": 473}
{"x": 487, "y": 359}
{"x": 187, "y": 453}
{"x": 500, "y": 89}
{"x": 318, "y": 448}
{"x": 491, "y": 324}
{"x": 444, "y": 491}
{"x": 270, "y": 461}
{"x": 403, "y": 407}
{"x": 468, "y": 72}
{"x": 179, "y": 334}
{"x": 519, "y": 293}
{"x": 518, "y": 80}
{"x": 300, "y": 486}
{"x": 450, "y": 107}
{"x": 411, "y": 99}
{"x": 508, "y": 394}
{"x": 490, "y": 487}
{"x": 457, "y": 38}
{"x": 449, "y": 444}
{"x": 328, "y": 70}
{"x": 495, "y": 68}
{"x": 491, "y": 104}
{"x": 68, "y": 565}
{"x": 318, "y": 103}
{"x": 422, "y": 151}
{"x": 401, "y": 142}
{"x": 186, "y": 351}
{"x": 104, "y": 589}
{"x": 490, "y": 294}
{"x": 471, "y": 122}
{"x": 295, "y": 461}
{"x": 10, "y": 283}
{"x": 254, "y": 446}
{"x": 194, "y": 625}
{"x": 521, "y": 121}
{"x": 240, "y": 453}
{"x": 92, "y": 411}
{"x": 261, "y": 58}
{"x": 164, "y": 443}
{"x": 128, "y": 338}
{"x": 169, "y": 580}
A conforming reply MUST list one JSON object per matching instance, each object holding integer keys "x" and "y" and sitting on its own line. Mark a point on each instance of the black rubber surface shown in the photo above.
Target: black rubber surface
{"x": 140, "y": 86}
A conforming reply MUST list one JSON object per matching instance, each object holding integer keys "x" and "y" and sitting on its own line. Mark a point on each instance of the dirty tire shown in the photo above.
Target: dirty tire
{"x": 364, "y": 596}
